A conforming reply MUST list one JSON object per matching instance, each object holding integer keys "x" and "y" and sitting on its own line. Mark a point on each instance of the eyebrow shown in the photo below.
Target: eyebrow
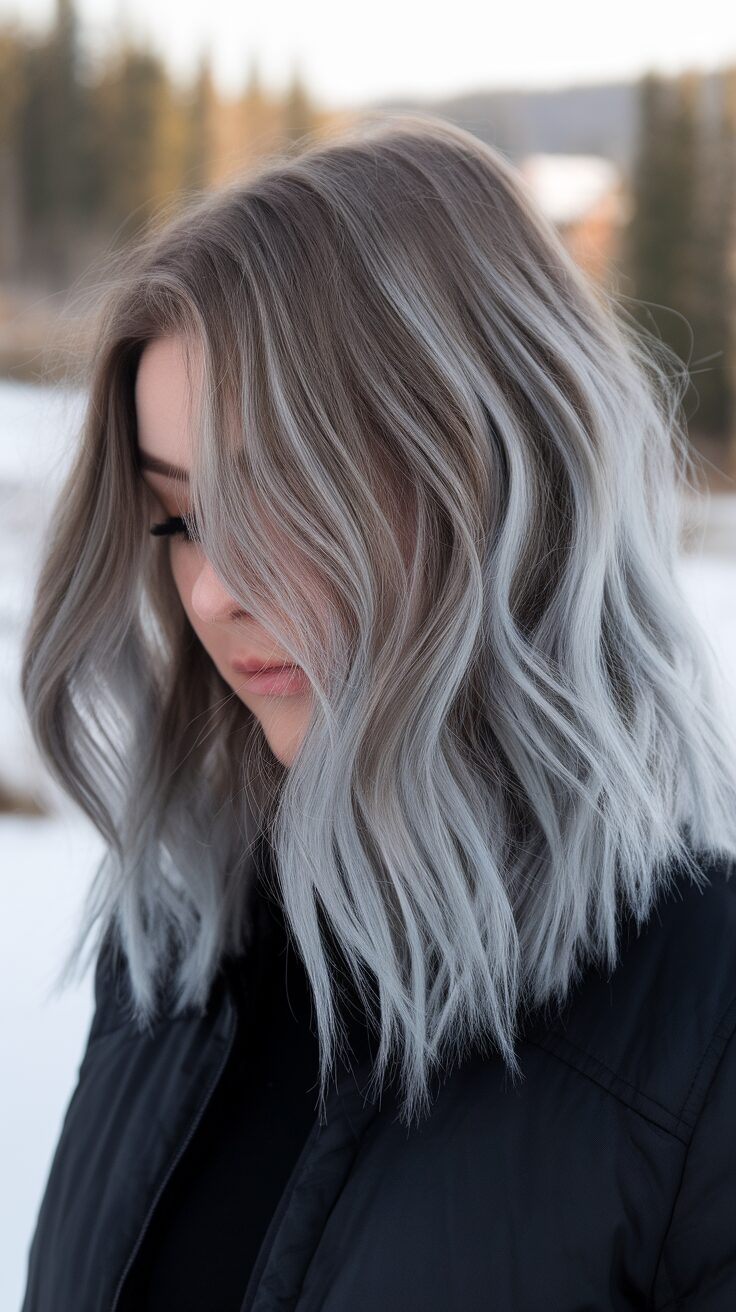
{"x": 162, "y": 467}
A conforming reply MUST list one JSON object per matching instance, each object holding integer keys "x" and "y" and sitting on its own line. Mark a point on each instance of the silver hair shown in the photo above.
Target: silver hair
{"x": 444, "y": 469}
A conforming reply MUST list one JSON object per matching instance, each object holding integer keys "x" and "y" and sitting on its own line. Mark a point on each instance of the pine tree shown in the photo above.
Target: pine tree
{"x": 676, "y": 244}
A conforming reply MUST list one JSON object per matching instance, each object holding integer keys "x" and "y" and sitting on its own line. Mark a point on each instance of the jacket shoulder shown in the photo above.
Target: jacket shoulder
{"x": 112, "y": 1002}
{"x": 654, "y": 1030}
{"x": 113, "y": 998}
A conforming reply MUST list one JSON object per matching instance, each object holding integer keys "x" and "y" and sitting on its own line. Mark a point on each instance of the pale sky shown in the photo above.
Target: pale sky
{"x": 350, "y": 57}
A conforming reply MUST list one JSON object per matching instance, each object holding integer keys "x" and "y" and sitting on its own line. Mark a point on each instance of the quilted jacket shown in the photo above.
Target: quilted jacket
{"x": 604, "y": 1181}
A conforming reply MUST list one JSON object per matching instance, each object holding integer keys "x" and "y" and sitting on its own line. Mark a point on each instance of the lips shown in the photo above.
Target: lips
{"x": 276, "y": 680}
{"x": 253, "y": 665}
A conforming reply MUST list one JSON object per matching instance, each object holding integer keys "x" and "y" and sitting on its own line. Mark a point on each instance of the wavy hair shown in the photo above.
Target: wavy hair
{"x": 445, "y": 470}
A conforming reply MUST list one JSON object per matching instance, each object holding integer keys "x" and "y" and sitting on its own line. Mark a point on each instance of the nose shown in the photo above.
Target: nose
{"x": 210, "y": 600}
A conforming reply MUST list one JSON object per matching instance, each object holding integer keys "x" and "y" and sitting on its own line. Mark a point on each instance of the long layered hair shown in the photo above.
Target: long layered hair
{"x": 445, "y": 470}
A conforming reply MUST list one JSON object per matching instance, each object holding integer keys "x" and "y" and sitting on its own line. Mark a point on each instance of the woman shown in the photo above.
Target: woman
{"x": 387, "y": 437}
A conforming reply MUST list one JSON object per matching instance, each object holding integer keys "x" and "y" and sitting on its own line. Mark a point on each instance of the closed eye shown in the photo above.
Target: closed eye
{"x": 174, "y": 524}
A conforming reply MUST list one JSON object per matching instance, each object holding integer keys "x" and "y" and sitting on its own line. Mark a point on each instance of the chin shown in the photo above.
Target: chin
{"x": 283, "y": 741}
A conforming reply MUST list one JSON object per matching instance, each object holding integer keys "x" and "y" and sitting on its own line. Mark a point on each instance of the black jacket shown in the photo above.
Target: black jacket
{"x": 606, "y": 1180}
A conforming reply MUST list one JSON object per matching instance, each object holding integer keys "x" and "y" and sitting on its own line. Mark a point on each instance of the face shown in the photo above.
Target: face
{"x": 225, "y": 631}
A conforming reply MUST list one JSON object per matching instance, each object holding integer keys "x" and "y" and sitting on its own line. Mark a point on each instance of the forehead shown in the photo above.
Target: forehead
{"x": 163, "y": 393}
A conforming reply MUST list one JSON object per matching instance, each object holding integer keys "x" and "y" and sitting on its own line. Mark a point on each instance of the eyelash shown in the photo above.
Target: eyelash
{"x": 173, "y": 525}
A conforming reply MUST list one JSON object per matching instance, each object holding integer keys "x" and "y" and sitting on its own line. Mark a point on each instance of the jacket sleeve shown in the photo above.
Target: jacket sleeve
{"x": 697, "y": 1266}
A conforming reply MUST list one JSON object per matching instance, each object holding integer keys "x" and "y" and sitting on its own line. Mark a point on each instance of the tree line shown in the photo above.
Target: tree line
{"x": 92, "y": 147}
{"x": 678, "y": 250}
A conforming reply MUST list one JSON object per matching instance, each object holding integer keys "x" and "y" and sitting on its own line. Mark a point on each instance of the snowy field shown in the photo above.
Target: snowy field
{"x": 46, "y": 864}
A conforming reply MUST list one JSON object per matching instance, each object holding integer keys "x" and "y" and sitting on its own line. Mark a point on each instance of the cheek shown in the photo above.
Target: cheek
{"x": 184, "y": 573}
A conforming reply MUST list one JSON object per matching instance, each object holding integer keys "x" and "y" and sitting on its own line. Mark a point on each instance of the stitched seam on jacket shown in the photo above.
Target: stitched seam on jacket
{"x": 579, "y": 1069}
{"x": 373, "y": 1125}
{"x": 725, "y": 1027}
{"x": 555, "y": 1036}
{"x": 730, "y": 1033}
{"x": 554, "y": 1039}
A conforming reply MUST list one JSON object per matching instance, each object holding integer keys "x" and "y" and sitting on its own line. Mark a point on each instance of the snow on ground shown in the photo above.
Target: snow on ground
{"x": 47, "y": 864}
